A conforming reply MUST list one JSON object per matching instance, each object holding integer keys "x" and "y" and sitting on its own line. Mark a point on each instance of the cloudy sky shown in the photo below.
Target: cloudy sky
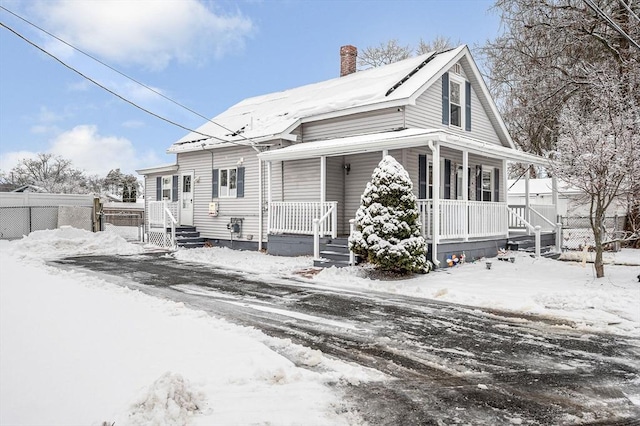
{"x": 204, "y": 54}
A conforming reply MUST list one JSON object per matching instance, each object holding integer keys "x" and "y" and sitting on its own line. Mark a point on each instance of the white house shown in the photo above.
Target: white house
{"x": 257, "y": 175}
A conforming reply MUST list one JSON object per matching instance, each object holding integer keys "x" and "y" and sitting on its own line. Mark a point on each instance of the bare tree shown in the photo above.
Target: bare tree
{"x": 383, "y": 54}
{"x": 597, "y": 150}
{"x": 438, "y": 44}
{"x": 53, "y": 174}
{"x": 544, "y": 57}
{"x": 391, "y": 51}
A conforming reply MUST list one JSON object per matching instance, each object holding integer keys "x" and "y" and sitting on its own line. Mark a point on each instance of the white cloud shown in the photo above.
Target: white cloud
{"x": 149, "y": 33}
{"x": 92, "y": 152}
{"x": 89, "y": 151}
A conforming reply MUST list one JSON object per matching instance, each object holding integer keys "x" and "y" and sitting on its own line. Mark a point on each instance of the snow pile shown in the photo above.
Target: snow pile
{"x": 75, "y": 349}
{"x": 567, "y": 290}
{"x": 170, "y": 401}
{"x": 67, "y": 241}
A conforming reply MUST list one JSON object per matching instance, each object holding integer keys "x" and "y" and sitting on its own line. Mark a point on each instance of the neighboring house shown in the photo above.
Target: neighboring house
{"x": 30, "y": 188}
{"x": 571, "y": 201}
{"x": 258, "y": 174}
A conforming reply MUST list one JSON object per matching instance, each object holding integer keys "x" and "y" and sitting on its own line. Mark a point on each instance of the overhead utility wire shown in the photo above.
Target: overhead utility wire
{"x": 626, "y": 6}
{"x": 610, "y": 21}
{"x": 127, "y": 77}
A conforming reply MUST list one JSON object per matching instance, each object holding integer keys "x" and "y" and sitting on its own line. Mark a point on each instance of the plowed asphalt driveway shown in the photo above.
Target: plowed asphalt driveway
{"x": 446, "y": 363}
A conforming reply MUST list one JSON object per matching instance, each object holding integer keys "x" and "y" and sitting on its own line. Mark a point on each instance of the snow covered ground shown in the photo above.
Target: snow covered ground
{"x": 75, "y": 349}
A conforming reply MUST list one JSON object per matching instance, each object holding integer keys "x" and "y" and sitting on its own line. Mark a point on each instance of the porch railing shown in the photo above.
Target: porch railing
{"x": 543, "y": 215}
{"x": 297, "y": 218}
{"x": 464, "y": 219}
{"x": 162, "y": 223}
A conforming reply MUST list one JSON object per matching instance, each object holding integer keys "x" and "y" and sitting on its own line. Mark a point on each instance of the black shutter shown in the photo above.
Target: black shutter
{"x": 445, "y": 98}
{"x": 467, "y": 106}
{"x": 447, "y": 179}
{"x": 478, "y": 183}
{"x": 214, "y": 184}
{"x": 174, "y": 188}
{"x": 422, "y": 177}
{"x": 159, "y": 188}
{"x": 469, "y": 189}
{"x": 496, "y": 185}
{"x": 240, "y": 189}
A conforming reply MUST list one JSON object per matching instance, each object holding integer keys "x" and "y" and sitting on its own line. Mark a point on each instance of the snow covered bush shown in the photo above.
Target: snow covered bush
{"x": 387, "y": 226}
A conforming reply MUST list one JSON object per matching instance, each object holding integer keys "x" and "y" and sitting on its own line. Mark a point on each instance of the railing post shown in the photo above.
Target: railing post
{"x": 316, "y": 239}
{"x": 352, "y": 228}
{"x": 537, "y": 232}
{"x": 334, "y": 221}
{"x": 559, "y": 237}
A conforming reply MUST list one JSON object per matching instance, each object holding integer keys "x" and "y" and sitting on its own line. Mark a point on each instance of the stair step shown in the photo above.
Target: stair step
{"x": 326, "y": 263}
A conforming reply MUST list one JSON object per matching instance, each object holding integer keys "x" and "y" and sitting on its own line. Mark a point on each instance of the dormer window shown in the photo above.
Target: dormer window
{"x": 455, "y": 104}
{"x": 456, "y": 101}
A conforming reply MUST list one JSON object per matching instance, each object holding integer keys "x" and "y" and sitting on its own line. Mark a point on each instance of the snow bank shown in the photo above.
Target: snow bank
{"x": 75, "y": 349}
{"x": 67, "y": 241}
{"x": 567, "y": 290}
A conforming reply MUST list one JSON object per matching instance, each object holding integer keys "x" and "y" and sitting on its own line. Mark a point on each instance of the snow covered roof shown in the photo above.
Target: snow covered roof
{"x": 539, "y": 186}
{"x": 274, "y": 115}
{"x": 395, "y": 140}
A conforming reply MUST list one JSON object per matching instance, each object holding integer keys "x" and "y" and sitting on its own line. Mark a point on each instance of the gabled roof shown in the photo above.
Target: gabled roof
{"x": 275, "y": 115}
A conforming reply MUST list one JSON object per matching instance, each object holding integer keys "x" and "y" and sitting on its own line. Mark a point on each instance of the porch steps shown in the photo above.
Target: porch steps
{"x": 334, "y": 252}
{"x": 528, "y": 245}
{"x": 188, "y": 237}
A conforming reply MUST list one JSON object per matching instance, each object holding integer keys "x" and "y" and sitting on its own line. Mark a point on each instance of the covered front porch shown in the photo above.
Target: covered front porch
{"x": 443, "y": 220}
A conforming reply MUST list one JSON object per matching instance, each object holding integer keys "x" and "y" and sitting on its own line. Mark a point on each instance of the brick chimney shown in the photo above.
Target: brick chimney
{"x": 348, "y": 55}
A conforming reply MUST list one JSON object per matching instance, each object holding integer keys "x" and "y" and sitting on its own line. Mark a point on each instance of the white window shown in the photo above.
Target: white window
{"x": 228, "y": 182}
{"x": 455, "y": 103}
{"x": 167, "y": 183}
{"x": 487, "y": 183}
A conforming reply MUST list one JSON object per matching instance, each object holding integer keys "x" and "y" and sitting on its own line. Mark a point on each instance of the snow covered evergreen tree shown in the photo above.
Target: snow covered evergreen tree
{"x": 387, "y": 226}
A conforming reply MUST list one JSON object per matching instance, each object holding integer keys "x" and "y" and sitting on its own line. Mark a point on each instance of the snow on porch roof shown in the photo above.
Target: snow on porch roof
{"x": 397, "y": 140}
{"x": 272, "y": 115}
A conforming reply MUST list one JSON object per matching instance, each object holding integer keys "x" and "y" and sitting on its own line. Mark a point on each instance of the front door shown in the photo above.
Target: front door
{"x": 186, "y": 200}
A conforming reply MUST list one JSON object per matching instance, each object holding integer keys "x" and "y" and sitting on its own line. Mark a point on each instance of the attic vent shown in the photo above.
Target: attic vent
{"x": 408, "y": 76}
{"x": 457, "y": 69}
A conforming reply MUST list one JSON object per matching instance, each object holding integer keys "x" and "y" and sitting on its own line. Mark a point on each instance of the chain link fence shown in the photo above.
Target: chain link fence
{"x": 577, "y": 232}
{"x": 15, "y": 222}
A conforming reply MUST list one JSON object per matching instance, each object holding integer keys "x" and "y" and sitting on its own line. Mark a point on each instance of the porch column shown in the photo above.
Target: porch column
{"x": 554, "y": 195}
{"x": 260, "y": 203}
{"x": 527, "y": 215}
{"x": 505, "y": 186}
{"x": 465, "y": 192}
{"x": 435, "y": 233}
{"x": 323, "y": 181}
{"x": 385, "y": 152}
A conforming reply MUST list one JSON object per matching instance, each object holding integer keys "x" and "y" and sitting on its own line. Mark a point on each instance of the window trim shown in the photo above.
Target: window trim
{"x": 225, "y": 191}
{"x": 461, "y": 83}
{"x": 167, "y": 185}
{"x": 492, "y": 176}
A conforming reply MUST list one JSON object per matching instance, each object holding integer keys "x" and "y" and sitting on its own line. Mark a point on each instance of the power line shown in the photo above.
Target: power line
{"x": 626, "y": 6}
{"x": 104, "y": 87}
{"x": 234, "y": 133}
{"x": 610, "y": 21}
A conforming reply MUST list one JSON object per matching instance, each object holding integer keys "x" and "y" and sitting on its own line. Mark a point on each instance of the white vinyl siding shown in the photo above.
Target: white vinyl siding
{"x": 427, "y": 114}
{"x": 336, "y": 175}
{"x": 301, "y": 180}
{"x": 245, "y": 207}
{"x": 369, "y": 122}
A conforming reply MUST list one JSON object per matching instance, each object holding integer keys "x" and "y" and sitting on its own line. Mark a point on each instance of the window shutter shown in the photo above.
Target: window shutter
{"x": 467, "y": 106}
{"x": 240, "y": 177}
{"x": 159, "y": 188}
{"x": 422, "y": 177}
{"x": 496, "y": 185}
{"x": 478, "y": 183}
{"x": 447, "y": 179}
{"x": 214, "y": 184}
{"x": 445, "y": 98}
{"x": 174, "y": 188}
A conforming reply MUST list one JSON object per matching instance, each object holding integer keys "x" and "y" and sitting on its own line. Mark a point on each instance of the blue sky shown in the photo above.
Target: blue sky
{"x": 207, "y": 55}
